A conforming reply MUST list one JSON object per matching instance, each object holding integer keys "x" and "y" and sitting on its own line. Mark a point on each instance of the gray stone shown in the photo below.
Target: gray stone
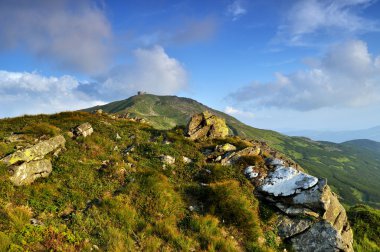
{"x": 27, "y": 173}
{"x": 84, "y": 130}
{"x": 321, "y": 237}
{"x": 232, "y": 157}
{"x": 288, "y": 227}
{"x": 35, "y": 152}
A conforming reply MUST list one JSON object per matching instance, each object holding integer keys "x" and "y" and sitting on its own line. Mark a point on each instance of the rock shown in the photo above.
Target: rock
{"x": 250, "y": 173}
{"x": 288, "y": 227}
{"x": 129, "y": 149}
{"x": 27, "y": 173}
{"x": 166, "y": 159}
{"x": 225, "y": 147}
{"x": 285, "y": 181}
{"x": 231, "y": 157}
{"x": 206, "y": 125}
{"x": 35, "y": 152}
{"x": 321, "y": 237}
{"x": 186, "y": 160}
{"x": 118, "y": 137}
{"x": 98, "y": 111}
{"x": 36, "y": 222}
{"x": 15, "y": 138}
{"x": 84, "y": 130}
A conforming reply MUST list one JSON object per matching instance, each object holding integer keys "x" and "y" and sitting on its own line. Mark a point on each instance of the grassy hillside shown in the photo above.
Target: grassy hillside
{"x": 99, "y": 197}
{"x": 353, "y": 172}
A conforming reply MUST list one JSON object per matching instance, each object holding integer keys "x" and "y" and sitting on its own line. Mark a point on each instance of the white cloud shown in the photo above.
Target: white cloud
{"x": 73, "y": 35}
{"x": 236, "y": 112}
{"x": 308, "y": 18}
{"x": 152, "y": 71}
{"x": 236, "y": 9}
{"x": 32, "y": 93}
{"x": 346, "y": 76}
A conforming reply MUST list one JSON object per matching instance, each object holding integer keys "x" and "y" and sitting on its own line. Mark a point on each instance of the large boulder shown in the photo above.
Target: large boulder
{"x": 315, "y": 220}
{"x": 206, "y": 125}
{"x": 35, "y": 152}
{"x": 31, "y": 163}
{"x": 27, "y": 173}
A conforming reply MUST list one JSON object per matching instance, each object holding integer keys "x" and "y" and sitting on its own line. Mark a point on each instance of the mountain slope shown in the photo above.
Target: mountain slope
{"x": 352, "y": 172}
{"x": 339, "y": 136}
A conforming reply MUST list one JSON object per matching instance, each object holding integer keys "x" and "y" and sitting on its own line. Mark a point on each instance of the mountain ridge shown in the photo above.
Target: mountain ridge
{"x": 352, "y": 173}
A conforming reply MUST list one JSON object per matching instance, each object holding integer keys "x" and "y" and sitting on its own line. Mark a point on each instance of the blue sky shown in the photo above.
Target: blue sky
{"x": 283, "y": 65}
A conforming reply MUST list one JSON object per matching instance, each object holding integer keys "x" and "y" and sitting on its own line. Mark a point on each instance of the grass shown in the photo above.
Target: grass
{"x": 133, "y": 203}
{"x": 349, "y": 165}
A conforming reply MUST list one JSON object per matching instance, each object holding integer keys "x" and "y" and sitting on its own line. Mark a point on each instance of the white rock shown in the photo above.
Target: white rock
{"x": 285, "y": 181}
{"x": 250, "y": 173}
{"x": 186, "y": 160}
{"x": 167, "y": 159}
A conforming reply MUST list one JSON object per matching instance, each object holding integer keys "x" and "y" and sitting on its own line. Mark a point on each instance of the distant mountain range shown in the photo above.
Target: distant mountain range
{"x": 338, "y": 136}
{"x": 352, "y": 168}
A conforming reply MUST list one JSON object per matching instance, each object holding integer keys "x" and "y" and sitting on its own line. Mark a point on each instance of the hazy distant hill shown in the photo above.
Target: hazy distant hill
{"x": 352, "y": 169}
{"x": 339, "y": 136}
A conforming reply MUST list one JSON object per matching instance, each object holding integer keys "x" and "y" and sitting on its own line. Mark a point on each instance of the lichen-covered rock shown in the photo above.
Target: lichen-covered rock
{"x": 35, "y": 152}
{"x": 186, "y": 160}
{"x": 206, "y": 125}
{"x": 321, "y": 237}
{"x": 225, "y": 147}
{"x": 27, "y": 173}
{"x": 315, "y": 220}
{"x": 285, "y": 181}
{"x": 232, "y": 157}
{"x": 84, "y": 130}
{"x": 288, "y": 227}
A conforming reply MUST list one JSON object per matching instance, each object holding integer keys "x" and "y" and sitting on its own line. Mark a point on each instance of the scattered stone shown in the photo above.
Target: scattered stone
{"x": 98, "y": 111}
{"x": 225, "y": 147}
{"x": 250, "y": 173}
{"x": 70, "y": 134}
{"x": 186, "y": 160}
{"x": 206, "y": 125}
{"x": 166, "y": 159}
{"x": 35, "y": 152}
{"x": 129, "y": 149}
{"x": 118, "y": 137}
{"x": 116, "y": 148}
{"x": 36, "y": 222}
{"x": 218, "y": 159}
{"x": 84, "y": 130}
{"x": 27, "y": 173}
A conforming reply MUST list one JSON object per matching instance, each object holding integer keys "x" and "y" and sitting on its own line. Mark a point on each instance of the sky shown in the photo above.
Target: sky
{"x": 280, "y": 64}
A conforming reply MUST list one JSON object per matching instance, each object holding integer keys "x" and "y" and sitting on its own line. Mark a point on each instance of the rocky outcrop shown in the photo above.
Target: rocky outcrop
{"x": 35, "y": 152}
{"x": 314, "y": 218}
{"x": 27, "y": 173}
{"x": 84, "y": 130}
{"x": 311, "y": 216}
{"x": 206, "y": 125}
{"x": 27, "y": 165}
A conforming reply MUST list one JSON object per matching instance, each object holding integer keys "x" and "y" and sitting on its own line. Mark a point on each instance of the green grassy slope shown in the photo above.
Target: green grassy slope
{"x": 133, "y": 203}
{"x": 352, "y": 171}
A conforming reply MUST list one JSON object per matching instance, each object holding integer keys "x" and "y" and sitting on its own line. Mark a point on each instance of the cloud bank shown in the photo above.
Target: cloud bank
{"x": 70, "y": 34}
{"x": 32, "y": 93}
{"x": 153, "y": 71}
{"x": 308, "y": 18}
{"x": 346, "y": 76}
